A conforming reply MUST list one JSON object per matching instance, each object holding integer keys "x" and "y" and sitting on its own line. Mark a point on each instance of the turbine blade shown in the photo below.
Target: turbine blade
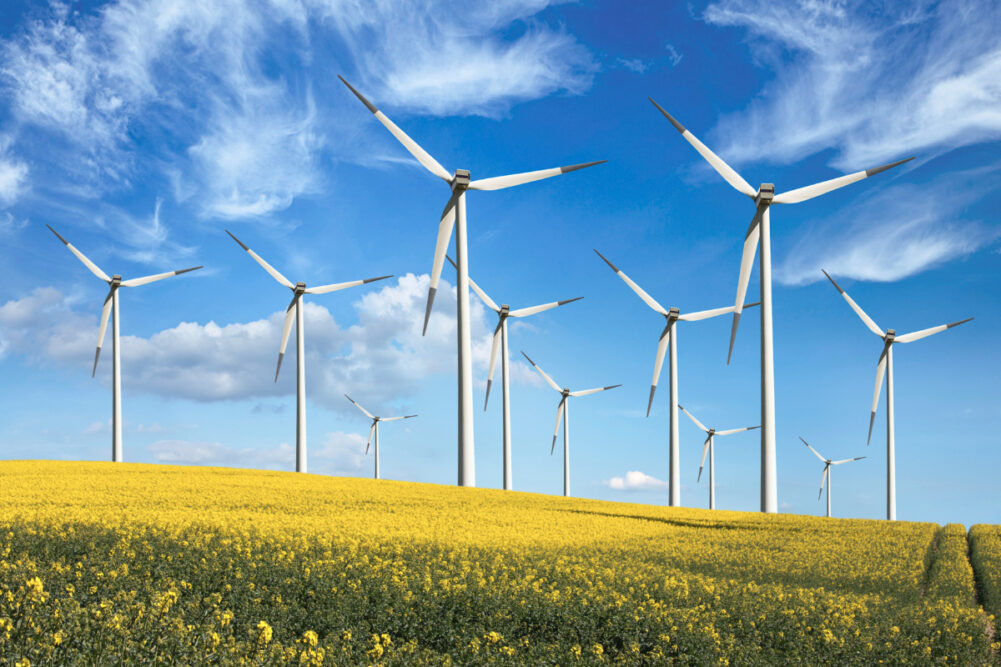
{"x": 371, "y": 430}
{"x": 880, "y": 371}
{"x": 94, "y": 268}
{"x": 817, "y": 189}
{"x": 445, "y": 226}
{"x": 705, "y": 450}
{"x": 267, "y": 267}
{"x": 367, "y": 413}
{"x": 493, "y": 360}
{"x": 813, "y": 450}
{"x": 868, "y": 321}
{"x": 722, "y": 168}
{"x": 588, "y": 392}
{"x": 289, "y": 315}
{"x": 393, "y": 419}
{"x": 476, "y": 288}
{"x": 823, "y": 480}
{"x": 422, "y": 155}
{"x": 136, "y": 282}
{"x": 649, "y": 300}
{"x": 105, "y": 312}
{"x": 525, "y": 312}
{"x": 658, "y": 363}
{"x": 543, "y": 373}
{"x": 692, "y": 417}
{"x": 324, "y": 289}
{"x": 737, "y": 430}
{"x": 837, "y": 463}
{"x": 559, "y": 418}
{"x": 501, "y": 182}
{"x": 746, "y": 264}
{"x": 706, "y": 314}
{"x": 924, "y": 333}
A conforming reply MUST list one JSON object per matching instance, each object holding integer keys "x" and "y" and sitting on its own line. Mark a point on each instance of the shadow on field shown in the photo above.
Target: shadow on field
{"x": 683, "y": 523}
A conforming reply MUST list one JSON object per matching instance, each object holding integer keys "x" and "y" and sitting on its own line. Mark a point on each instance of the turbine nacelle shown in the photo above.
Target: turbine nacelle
{"x": 504, "y": 311}
{"x": 890, "y": 335}
{"x": 460, "y": 181}
{"x": 766, "y": 192}
{"x": 116, "y": 280}
{"x": 300, "y": 288}
{"x": 673, "y": 314}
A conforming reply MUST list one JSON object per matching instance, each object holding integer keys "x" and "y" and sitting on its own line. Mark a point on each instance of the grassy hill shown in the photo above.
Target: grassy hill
{"x": 105, "y": 563}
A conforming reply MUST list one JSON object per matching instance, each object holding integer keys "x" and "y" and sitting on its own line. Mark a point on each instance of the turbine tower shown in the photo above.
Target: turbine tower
{"x": 500, "y": 339}
{"x": 111, "y": 307}
{"x": 375, "y": 429}
{"x": 669, "y": 341}
{"x": 295, "y": 309}
{"x": 563, "y": 413}
{"x": 454, "y": 215}
{"x": 709, "y": 446}
{"x": 759, "y": 231}
{"x": 885, "y": 366}
{"x": 826, "y": 477}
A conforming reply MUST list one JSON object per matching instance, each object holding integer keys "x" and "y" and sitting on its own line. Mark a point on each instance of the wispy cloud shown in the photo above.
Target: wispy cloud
{"x": 634, "y": 480}
{"x": 875, "y": 83}
{"x": 893, "y": 232}
{"x": 13, "y": 174}
{"x": 673, "y": 54}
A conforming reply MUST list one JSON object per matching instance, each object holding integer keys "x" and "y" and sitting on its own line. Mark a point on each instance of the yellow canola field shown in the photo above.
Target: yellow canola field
{"x": 106, "y": 563}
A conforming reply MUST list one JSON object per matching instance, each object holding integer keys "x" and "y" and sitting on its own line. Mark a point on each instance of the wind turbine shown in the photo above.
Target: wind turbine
{"x": 563, "y": 413}
{"x": 455, "y": 215}
{"x": 826, "y": 477}
{"x": 111, "y": 306}
{"x": 710, "y": 447}
{"x": 759, "y": 229}
{"x": 295, "y": 309}
{"x": 375, "y": 429}
{"x": 669, "y": 341}
{"x": 500, "y": 338}
{"x": 885, "y": 366}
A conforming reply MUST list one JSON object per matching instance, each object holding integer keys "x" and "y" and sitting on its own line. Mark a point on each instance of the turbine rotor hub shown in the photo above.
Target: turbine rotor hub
{"x": 116, "y": 280}
{"x": 505, "y": 310}
{"x": 890, "y": 335}
{"x": 766, "y": 192}
{"x": 300, "y": 288}
{"x": 673, "y": 314}
{"x": 460, "y": 181}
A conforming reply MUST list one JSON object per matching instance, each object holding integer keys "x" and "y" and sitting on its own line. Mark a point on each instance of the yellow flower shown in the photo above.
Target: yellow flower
{"x": 309, "y": 637}
{"x": 264, "y": 632}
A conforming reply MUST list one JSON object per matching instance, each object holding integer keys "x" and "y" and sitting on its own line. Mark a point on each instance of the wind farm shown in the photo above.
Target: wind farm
{"x": 143, "y": 131}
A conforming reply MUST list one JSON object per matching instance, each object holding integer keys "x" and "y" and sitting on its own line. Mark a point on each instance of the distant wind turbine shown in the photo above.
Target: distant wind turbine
{"x": 375, "y": 429}
{"x": 826, "y": 477}
{"x": 885, "y": 365}
{"x": 111, "y": 307}
{"x": 500, "y": 340}
{"x": 563, "y": 413}
{"x": 455, "y": 215}
{"x": 295, "y": 309}
{"x": 669, "y": 341}
{"x": 709, "y": 446}
{"x": 763, "y": 198}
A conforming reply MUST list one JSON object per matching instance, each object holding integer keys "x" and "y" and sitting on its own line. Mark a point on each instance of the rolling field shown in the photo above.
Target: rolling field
{"x": 103, "y": 563}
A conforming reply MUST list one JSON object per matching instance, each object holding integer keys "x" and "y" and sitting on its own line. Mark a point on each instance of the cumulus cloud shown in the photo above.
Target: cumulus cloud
{"x": 381, "y": 359}
{"x": 875, "y": 83}
{"x": 634, "y": 480}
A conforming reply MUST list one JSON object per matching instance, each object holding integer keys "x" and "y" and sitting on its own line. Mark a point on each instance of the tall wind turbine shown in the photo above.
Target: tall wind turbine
{"x": 669, "y": 341}
{"x": 295, "y": 309}
{"x": 500, "y": 339}
{"x": 759, "y": 230}
{"x": 111, "y": 306}
{"x": 709, "y": 446}
{"x": 375, "y": 429}
{"x": 885, "y": 365}
{"x": 455, "y": 215}
{"x": 826, "y": 477}
{"x": 563, "y": 413}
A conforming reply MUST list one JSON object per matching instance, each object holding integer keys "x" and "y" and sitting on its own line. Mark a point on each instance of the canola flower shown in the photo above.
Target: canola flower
{"x": 123, "y": 563}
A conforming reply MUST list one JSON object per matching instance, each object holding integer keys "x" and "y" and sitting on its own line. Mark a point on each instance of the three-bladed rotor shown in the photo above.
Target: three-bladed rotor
{"x": 827, "y": 466}
{"x": 375, "y": 420}
{"x": 710, "y": 434}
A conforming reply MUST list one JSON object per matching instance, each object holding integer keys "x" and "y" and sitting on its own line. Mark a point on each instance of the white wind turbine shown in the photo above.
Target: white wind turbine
{"x": 669, "y": 341}
{"x": 455, "y": 215}
{"x": 759, "y": 230}
{"x": 885, "y": 366}
{"x": 500, "y": 339}
{"x": 709, "y": 446}
{"x": 111, "y": 307}
{"x": 375, "y": 429}
{"x": 826, "y": 477}
{"x": 295, "y": 309}
{"x": 563, "y": 413}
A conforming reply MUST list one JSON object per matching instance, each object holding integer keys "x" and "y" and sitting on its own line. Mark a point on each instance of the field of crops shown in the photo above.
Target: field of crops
{"x": 104, "y": 564}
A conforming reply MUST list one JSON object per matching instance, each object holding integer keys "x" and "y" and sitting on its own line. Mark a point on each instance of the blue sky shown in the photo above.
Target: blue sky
{"x": 142, "y": 130}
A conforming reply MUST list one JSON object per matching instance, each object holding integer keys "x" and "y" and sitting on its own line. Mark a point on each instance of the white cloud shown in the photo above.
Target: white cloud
{"x": 673, "y": 54}
{"x": 342, "y": 451}
{"x": 637, "y": 65}
{"x": 634, "y": 480}
{"x": 892, "y": 233}
{"x": 13, "y": 174}
{"x": 875, "y": 83}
